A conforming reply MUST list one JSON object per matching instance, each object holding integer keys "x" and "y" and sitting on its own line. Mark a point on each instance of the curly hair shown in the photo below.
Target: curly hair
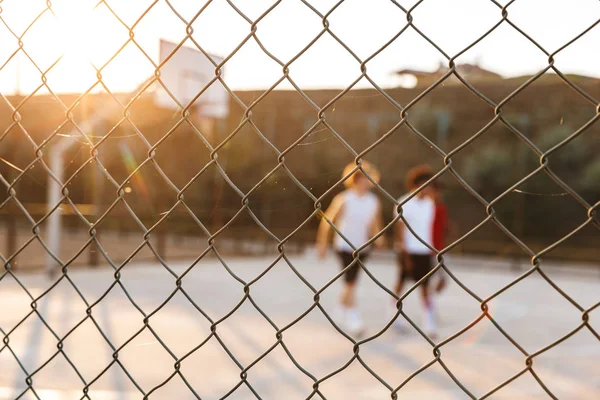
{"x": 418, "y": 175}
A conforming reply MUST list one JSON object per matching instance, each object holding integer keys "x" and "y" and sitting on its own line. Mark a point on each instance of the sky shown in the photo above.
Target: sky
{"x": 86, "y": 35}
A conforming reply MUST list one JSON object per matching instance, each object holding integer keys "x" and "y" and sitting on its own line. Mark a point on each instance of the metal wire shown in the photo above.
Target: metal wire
{"x": 322, "y": 122}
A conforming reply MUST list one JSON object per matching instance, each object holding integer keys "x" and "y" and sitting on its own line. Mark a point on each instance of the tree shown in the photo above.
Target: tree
{"x": 489, "y": 171}
{"x": 590, "y": 181}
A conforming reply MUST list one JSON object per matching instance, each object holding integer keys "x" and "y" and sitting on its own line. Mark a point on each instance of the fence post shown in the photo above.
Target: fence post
{"x": 207, "y": 127}
{"x": 520, "y": 203}
{"x": 54, "y": 219}
{"x": 96, "y": 182}
{"x": 11, "y": 227}
{"x": 11, "y": 237}
{"x": 161, "y": 243}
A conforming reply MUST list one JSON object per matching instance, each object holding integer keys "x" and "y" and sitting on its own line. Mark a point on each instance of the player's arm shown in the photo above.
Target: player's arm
{"x": 447, "y": 230}
{"x": 399, "y": 234}
{"x": 377, "y": 226}
{"x": 332, "y": 213}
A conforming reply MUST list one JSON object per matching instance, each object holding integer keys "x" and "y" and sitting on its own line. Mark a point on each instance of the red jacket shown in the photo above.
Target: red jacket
{"x": 440, "y": 225}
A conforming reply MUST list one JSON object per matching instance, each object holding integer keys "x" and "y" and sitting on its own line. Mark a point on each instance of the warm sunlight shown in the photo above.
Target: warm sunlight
{"x": 88, "y": 37}
{"x": 88, "y": 33}
{"x": 299, "y": 199}
{"x": 77, "y": 24}
{"x": 68, "y": 42}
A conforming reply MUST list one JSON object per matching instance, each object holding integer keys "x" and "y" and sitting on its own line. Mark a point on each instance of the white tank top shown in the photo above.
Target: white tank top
{"x": 355, "y": 219}
{"x": 419, "y": 213}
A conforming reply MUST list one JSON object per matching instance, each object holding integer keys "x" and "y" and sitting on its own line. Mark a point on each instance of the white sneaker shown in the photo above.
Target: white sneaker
{"x": 430, "y": 325}
{"x": 354, "y": 324}
{"x": 435, "y": 313}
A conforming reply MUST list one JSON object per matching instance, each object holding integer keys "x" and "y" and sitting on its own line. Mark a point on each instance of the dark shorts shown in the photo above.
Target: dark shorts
{"x": 346, "y": 259}
{"x": 420, "y": 265}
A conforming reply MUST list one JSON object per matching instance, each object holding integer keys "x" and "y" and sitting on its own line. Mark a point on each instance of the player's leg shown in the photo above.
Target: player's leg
{"x": 341, "y": 310}
{"x": 438, "y": 285}
{"x": 429, "y": 325}
{"x": 404, "y": 268}
{"x": 404, "y": 271}
{"x": 441, "y": 280}
{"x": 351, "y": 316}
{"x": 347, "y": 296}
{"x": 423, "y": 266}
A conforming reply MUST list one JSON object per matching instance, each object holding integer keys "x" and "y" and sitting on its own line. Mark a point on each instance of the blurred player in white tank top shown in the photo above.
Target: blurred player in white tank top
{"x": 415, "y": 259}
{"x": 356, "y": 213}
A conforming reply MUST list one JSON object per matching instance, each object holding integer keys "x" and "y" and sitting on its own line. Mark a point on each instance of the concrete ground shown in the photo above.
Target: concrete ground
{"x": 532, "y": 312}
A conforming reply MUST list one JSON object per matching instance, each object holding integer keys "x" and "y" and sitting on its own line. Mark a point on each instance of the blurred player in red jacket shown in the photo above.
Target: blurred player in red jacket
{"x": 441, "y": 227}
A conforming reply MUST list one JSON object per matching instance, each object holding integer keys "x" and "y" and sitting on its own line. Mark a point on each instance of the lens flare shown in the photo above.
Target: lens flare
{"x": 138, "y": 182}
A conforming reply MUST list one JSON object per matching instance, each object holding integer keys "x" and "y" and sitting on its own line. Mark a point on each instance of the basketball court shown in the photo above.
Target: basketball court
{"x": 531, "y": 312}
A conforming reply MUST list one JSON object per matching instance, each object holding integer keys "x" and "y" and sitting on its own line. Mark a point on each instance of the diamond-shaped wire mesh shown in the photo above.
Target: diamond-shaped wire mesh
{"x": 175, "y": 195}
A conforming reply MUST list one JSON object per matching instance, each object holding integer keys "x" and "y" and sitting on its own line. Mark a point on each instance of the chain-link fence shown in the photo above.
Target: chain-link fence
{"x": 233, "y": 193}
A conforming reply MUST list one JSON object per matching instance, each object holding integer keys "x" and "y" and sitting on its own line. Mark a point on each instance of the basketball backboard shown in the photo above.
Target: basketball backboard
{"x": 185, "y": 74}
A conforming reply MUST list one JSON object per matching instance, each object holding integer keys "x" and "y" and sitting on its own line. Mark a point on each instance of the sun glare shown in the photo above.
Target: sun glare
{"x": 86, "y": 39}
{"x": 75, "y": 24}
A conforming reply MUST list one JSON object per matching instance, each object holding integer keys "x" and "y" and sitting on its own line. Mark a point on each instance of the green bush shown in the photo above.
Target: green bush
{"x": 489, "y": 171}
{"x": 590, "y": 180}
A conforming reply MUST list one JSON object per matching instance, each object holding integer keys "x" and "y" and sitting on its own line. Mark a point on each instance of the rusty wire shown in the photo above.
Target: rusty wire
{"x": 247, "y": 120}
